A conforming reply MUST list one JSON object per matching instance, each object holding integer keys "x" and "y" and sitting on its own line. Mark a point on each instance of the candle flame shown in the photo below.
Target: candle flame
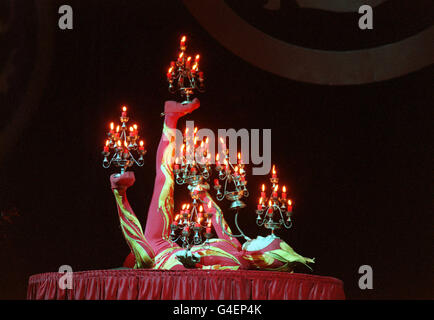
{"x": 125, "y": 144}
{"x": 206, "y": 140}
{"x": 269, "y": 203}
{"x": 177, "y": 217}
{"x": 276, "y": 188}
{"x": 195, "y": 66}
{"x": 197, "y": 57}
{"x": 260, "y": 200}
{"x": 263, "y": 187}
{"x": 189, "y": 58}
{"x": 239, "y": 155}
{"x": 183, "y": 38}
{"x": 201, "y": 208}
{"x": 119, "y": 143}
{"x": 289, "y": 203}
{"x": 135, "y": 126}
{"x": 209, "y": 204}
{"x": 170, "y": 70}
{"x": 284, "y": 189}
{"x": 117, "y": 129}
{"x": 209, "y": 224}
{"x": 188, "y": 206}
{"x": 131, "y": 129}
{"x": 112, "y": 126}
{"x": 217, "y": 157}
{"x": 124, "y": 108}
{"x": 141, "y": 143}
{"x": 274, "y": 169}
{"x": 181, "y": 54}
{"x": 236, "y": 169}
{"x": 195, "y": 129}
{"x": 201, "y": 144}
{"x": 183, "y": 206}
{"x": 107, "y": 143}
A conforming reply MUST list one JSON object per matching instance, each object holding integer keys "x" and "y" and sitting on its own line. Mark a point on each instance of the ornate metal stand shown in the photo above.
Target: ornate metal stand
{"x": 122, "y": 144}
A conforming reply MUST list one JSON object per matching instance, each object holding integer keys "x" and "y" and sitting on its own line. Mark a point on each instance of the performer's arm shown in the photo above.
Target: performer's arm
{"x": 130, "y": 225}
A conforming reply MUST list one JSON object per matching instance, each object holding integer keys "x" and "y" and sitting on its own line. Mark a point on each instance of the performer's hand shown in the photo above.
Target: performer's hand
{"x": 122, "y": 181}
{"x": 181, "y": 109}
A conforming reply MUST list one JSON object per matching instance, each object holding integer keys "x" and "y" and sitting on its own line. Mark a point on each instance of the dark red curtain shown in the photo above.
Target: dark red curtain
{"x": 186, "y": 285}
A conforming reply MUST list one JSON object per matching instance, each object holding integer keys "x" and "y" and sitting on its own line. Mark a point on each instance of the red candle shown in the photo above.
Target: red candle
{"x": 270, "y": 210}
{"x": 263, "y": 192}
{"x": 182, "y": 44}
{"x": 289, "y": 206}
{"x": 124, "y": 112}
{"x": 200, "y": 74}
{"x": 112, "y": 128}
{"x": 284, "y": 193}
{"x": 141, "y": 146}
{"x": 187, "y": 63}
{"x": 106, "y": 149}
{"x": 208, "y": 230}
{"x": 216, "y": 182}
{"x": 273, "y": 173}
{"x": 259, "y": 206}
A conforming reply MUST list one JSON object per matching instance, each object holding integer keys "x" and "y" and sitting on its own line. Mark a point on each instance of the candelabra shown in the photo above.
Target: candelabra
{"x": 187, "y": 169}
{"x": 122, "y": 144}
{"x": 271, "y": 210}
{"x": 192, "y": 224}
{"x": 184, "y": 74}
{"x": 234, "y": 176}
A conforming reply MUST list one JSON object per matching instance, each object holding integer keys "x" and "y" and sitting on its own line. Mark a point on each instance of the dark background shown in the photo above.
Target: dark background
{"x": 357, "y": 159}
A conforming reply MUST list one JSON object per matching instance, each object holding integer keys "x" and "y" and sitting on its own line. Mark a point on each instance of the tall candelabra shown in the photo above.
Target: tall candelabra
{"x": 232, "y": 185}
{"x": 192, "y": 167}
{"x": 184, "y": 74}
{"x": 273, "y": 211}
{"x": 123, "y": 146}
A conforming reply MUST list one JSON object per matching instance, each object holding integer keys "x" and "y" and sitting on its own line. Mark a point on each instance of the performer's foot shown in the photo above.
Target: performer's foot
{"x": 179, "y": 109}
{"x": 122, "y": 181}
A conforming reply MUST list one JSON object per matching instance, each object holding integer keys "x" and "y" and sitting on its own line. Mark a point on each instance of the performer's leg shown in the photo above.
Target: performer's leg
{"x": 160, "y": 213}
{"x": 130, "y": 225}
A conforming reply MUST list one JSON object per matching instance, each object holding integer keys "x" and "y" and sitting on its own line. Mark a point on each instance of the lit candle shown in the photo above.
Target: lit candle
{"x": 216, "y": 182}
{"x": 169, "y": 73}
{"x": 180, "y": 56}
{"x": 183, "y": 39}
{"x": 106, "y": 147}
{"x": 260, "y": 204}
{"x": 274, "y": 195}
{"x": 263, "y": 192}
{"x": 112, "y": 128}
{"x": 141, "y": 146}
{"x": 236, "y": 171}
{"x": 131, "y": 132}
{"x": 289, "y": 206}
{"x": 175, "y": 222}
{"x": 284, "y": 193}
{"x": 135, "y": 129}
{"x": 274, "y": 174}
{"x": 239, "y": 157}
{"x": 187, "y": 63}
{"x": 124, "y": 112}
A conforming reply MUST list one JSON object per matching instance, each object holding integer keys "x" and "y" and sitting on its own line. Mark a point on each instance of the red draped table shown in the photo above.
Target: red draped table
{"x": 185, "y": 285}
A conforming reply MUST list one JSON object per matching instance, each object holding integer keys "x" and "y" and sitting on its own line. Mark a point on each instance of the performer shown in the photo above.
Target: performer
{"x": 154, "y": 248}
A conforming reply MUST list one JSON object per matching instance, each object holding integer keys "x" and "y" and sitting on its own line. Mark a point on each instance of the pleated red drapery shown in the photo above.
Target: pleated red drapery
{"x": 185, "y": 285}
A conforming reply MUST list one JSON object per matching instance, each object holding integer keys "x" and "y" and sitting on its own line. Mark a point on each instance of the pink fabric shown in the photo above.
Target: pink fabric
{"x": 186, "y": 285}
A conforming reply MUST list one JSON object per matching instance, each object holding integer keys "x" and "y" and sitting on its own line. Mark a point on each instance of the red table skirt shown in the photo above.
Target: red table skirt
{"x": 185, "y": 285}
